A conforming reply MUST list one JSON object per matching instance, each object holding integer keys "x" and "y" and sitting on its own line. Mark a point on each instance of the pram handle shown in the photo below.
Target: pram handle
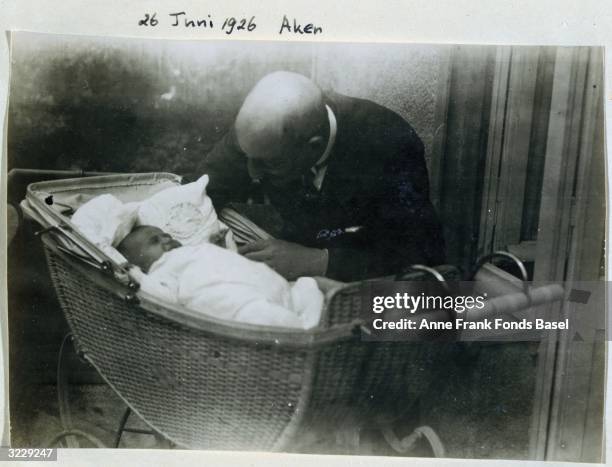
{"x": 422, "y": 268}
{"x": 504, "y": 254}
{"x": 57, "y": 226}
{"x": 499, "y": 254}
{"x": 106, "y": 266}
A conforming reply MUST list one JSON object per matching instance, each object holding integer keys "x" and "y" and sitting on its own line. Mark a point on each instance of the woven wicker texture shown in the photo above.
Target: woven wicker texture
{"x": 366, "y": 382}
{"x": 198, "y": 391}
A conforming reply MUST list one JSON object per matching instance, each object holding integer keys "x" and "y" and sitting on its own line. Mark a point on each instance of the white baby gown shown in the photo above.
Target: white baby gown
{"x": 226, "y": 285}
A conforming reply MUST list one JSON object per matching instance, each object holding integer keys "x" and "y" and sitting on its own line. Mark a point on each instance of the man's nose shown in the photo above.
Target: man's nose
{"x": 255, "y": 170}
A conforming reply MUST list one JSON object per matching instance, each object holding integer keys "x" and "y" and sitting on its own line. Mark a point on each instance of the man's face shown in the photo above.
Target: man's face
{"x": 283, "y": 127}
{"x": 282, "y": 164}
{"x": 145, "y": 245}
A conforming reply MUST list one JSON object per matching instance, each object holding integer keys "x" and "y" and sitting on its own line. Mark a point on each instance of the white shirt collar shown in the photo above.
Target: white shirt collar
{"x": 333, "y": 128}
{"x": 320, "y": 168}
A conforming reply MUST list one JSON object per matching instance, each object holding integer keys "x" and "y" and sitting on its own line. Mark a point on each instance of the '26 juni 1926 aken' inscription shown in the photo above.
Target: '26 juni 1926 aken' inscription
{"x": 229, "y": 25}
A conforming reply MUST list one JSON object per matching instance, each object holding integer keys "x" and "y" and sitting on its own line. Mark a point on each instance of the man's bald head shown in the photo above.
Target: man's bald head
{"x": 282, "y": 126}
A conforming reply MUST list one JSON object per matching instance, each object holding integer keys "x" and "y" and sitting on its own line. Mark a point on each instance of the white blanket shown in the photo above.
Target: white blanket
{"x": 226, "y": 285}
{"x": 105, "y": 221}
{"x": 185, "y": 212}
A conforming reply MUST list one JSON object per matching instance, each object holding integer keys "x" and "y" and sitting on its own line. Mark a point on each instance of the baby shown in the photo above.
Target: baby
{"x": 145, "y": 244}
{"x": 219, "y": 282}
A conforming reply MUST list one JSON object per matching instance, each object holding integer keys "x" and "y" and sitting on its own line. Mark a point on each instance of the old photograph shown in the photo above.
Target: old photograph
{"x": 206, "y": 237}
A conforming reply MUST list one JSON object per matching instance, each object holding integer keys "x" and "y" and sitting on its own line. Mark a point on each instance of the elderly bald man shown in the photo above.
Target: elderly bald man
{"x": 347, "y": 176}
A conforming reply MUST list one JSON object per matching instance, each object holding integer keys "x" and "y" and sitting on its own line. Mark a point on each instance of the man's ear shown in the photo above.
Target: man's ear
{"x": 255, "y": 171}
{"x": 316, "y": 142}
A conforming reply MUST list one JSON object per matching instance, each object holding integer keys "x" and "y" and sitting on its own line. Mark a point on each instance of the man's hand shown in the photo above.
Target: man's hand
{"x": 290, "y": 260}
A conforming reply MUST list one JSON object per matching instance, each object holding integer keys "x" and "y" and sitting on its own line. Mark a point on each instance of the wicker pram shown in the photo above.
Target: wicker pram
{"x": 208, "y": 384}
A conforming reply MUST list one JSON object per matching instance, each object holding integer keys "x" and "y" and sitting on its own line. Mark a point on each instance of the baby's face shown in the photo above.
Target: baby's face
{"x": 145, "y": 244}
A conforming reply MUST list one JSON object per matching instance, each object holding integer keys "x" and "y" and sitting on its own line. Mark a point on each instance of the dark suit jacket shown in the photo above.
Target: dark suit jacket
{"x": 373, "y": 211}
